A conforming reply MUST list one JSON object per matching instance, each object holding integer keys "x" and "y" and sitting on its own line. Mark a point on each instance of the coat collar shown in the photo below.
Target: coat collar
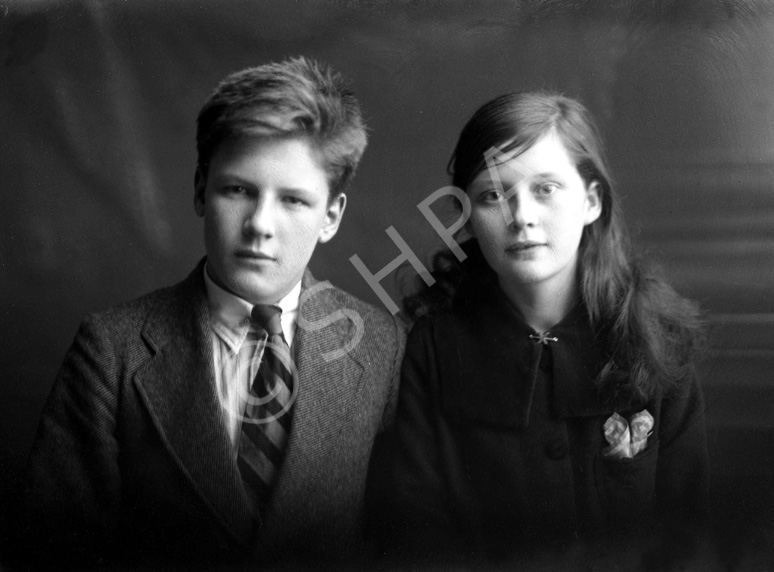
{"x": 493, "y": 364}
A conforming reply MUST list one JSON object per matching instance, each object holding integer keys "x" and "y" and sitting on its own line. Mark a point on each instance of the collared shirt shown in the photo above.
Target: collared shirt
{"x": 235, "y": 361}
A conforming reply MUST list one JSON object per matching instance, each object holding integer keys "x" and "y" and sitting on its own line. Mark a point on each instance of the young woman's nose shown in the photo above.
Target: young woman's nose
{"x": 521, "y": 209}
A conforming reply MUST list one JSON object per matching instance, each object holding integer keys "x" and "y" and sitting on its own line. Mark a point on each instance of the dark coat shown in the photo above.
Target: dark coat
{"x": 498, "y": 443}
{"x": 132, "y": 458}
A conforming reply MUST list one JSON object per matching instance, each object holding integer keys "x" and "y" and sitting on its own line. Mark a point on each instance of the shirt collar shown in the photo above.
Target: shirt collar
{"x": 230, "y": 314}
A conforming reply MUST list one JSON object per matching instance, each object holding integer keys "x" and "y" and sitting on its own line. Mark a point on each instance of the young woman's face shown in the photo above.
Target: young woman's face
{"x": 528, "y": 214}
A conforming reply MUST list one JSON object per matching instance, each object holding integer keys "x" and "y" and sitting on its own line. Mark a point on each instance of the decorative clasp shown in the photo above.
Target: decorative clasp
{"x": 543, "y": 338}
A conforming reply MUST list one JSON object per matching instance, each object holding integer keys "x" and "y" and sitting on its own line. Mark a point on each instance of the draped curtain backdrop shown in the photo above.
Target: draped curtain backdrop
{"x": 97, "y": 106}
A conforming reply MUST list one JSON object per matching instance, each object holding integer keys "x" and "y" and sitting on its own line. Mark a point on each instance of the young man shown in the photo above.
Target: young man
{"x": 231, "y": 415}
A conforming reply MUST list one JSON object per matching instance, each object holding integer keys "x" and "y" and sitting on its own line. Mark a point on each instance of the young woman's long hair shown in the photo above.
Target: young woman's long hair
{"x": 651, "y": 336}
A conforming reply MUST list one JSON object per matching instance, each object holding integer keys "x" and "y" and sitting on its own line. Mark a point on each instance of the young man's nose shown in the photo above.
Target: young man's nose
{"x": 261, "y": 218}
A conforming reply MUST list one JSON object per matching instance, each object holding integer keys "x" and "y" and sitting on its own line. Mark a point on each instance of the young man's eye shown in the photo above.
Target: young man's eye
{"x": 235, "y": 190}
{"x": 546, "y": 188}
{"x": 490, "y": 196}
{"x": 293, "y": 200}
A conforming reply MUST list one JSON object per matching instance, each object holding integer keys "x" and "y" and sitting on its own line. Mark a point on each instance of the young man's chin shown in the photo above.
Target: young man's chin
{"x": 261, "y": 293}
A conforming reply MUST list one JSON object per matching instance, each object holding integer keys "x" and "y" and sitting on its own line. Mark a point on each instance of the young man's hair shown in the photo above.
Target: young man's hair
{"x": 297, "y": 97}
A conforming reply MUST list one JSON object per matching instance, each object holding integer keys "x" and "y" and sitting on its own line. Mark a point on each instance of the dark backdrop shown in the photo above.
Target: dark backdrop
{"x": 97, "y": 107}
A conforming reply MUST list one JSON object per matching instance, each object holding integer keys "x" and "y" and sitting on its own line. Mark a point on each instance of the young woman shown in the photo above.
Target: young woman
{"x": 548, "y": 390}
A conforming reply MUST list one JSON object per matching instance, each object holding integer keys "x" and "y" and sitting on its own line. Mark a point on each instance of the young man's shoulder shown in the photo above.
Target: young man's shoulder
{"x": 373, "y": 317}
{"x": 373, "y": 312}
{"x": 375, "y": 336}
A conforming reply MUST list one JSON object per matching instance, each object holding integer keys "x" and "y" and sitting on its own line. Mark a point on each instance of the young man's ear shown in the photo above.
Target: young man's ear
{"x": 200, "y": 183}
{"x": 333, "y": 217}
{"x": 593, "y": 203}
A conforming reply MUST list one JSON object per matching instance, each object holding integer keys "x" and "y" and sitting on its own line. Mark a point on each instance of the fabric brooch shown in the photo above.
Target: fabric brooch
{"x": 627, "y": 439}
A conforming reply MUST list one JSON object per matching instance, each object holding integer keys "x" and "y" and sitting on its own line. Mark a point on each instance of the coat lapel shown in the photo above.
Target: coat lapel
{"x": 328, "y": 390}
{"x": 178, "y": 389}
{"x": 577, "y": 361}
{"x": 490, "y": 367}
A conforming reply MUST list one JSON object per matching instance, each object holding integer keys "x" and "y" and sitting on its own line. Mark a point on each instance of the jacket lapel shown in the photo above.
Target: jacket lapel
{"x": 179, "y": 392}
{"x": 329, "y": 382}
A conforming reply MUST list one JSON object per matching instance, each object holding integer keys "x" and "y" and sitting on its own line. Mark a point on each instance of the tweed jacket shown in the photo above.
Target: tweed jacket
{"x": 132, "y": 458}
{"x": 500, "y": 441}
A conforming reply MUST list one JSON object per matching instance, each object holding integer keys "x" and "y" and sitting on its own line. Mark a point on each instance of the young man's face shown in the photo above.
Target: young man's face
{"x": 265, "y": 205}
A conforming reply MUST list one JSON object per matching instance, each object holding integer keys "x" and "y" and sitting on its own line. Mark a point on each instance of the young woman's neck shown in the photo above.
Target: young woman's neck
{"x": 542, "y": 305}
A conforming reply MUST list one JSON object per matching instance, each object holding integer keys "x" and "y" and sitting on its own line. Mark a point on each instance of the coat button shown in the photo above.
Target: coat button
{"x": 556, "y": 450}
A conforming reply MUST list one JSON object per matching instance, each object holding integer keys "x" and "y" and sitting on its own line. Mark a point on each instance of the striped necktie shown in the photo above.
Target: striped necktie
{"x": 267, "y": 418}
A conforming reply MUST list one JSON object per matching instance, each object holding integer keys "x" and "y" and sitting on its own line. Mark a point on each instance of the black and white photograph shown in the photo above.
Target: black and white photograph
{"x": 387, "y": 285}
